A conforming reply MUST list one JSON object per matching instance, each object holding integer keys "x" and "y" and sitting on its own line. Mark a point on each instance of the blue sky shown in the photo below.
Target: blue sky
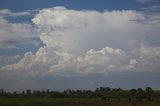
{"x": 79, "y": 44}
{"x": 22, "y": 5}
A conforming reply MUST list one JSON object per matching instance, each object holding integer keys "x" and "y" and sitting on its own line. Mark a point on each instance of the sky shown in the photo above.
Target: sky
{"x": 79, "y": 44}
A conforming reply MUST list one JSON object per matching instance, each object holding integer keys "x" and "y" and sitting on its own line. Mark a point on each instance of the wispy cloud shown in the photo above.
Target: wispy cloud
{"x": 8, "y": 13}
{"x": 152, "y": 14}
{"x": 145, "y": 1}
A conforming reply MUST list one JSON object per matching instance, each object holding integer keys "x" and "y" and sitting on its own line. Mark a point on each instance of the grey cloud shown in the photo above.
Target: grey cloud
{"x": 9, "y": 59}
{"x": 125, "y": 80}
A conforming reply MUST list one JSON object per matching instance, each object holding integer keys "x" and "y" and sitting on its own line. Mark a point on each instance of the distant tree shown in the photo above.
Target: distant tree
{"x": 133, "y": 93}
{"x": 15, "y": 94}
{"x": 105, "y": 93}
{"x": 1, "y": 91}
{"x": 149, "y": 92}
{"x": 48, "y": 91}
{"x": 114, "y": 89}
{"x": 140, "y": 94}
{"x": 119, "y": 89}
{"x": 28, "y": 92}
{"x": 103, "y": 89}
{"x": 22, "y": 94}
{"x": 108, "y": 89}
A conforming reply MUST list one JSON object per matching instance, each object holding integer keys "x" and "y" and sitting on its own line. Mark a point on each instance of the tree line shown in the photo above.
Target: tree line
{"x": 105, "y": 93}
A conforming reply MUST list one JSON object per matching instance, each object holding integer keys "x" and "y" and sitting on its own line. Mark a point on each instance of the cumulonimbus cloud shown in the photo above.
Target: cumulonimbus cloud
{"x": 84, "y": 42}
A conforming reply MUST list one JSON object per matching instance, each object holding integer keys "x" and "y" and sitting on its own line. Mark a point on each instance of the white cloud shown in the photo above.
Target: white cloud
{"x": 80, "y": 31}
{"x": 48, "y": 61}
{"x": 32, "y": 64}
{"x": 101, "y": 61}
{"x": 84, "y": 42}
{"x": 12, "y": 34}
{"x": 77, "y": 31}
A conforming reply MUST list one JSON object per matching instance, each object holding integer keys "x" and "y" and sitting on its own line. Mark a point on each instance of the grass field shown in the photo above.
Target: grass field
{"x": 73, "y": 102}
{"x": 111, "y": 98}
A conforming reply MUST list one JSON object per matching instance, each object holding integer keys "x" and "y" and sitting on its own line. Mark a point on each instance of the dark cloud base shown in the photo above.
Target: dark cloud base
{"x": 125, "y": 81}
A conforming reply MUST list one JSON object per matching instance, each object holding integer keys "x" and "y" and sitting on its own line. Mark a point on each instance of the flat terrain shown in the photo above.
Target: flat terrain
{"x": 74, "y": 102}
{"x": 99, "y": 97}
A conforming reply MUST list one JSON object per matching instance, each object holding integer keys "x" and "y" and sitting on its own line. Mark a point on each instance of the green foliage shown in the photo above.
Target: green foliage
{"x": 73, "y": 102}
{"x": 105, "y": 94}
{"x": 149, "y": 93}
